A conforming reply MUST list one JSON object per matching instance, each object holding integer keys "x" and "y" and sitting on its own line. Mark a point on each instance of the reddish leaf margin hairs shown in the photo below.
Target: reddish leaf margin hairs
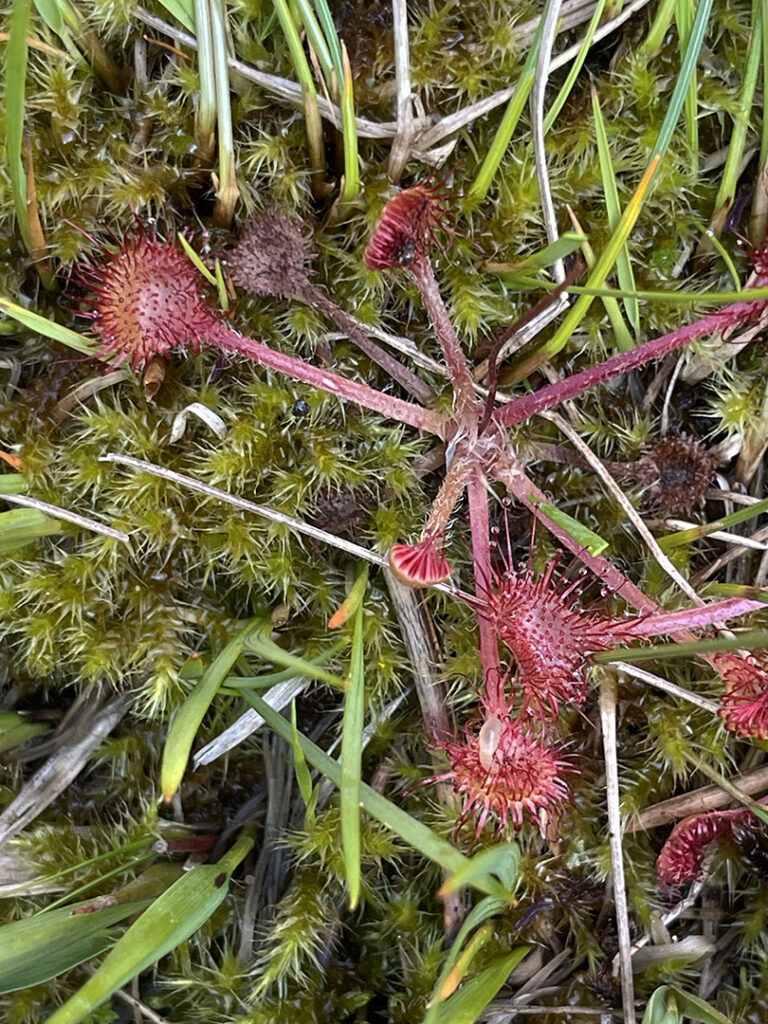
{"x": 148, "y": 301}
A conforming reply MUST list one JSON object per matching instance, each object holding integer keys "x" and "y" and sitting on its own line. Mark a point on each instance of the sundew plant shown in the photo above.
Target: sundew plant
{"x": 383, "y": 551}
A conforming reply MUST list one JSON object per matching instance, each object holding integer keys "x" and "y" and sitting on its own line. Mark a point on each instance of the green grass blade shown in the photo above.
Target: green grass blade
{"x": 726, "y": 193}
{"x": 684, "y": 537}
{"x": 490, "y": 165}
{"x": 303, "y": 777}
{"x": 351, "y": 761}
{"x": 488, "y": 907}
{"x": 15, "y": 83}
{"x": 624, "y": 338}
{"x": 183, "y": 11}
{"x": 750, "y": 641}
{"x": 36, "y": 949}
{"x": 318, "y": 41}
{"x": 268, "y": 679}
{"x": 265, "y": 647}
{"x": 187, "y": 720}
{"x": 21, "y": 526}
{"x": 527, "y": 363}
{"x": 588, "y": 539}
{"x": 684, "y": 18}
{"x": 13, "y": 483}
{"x": 351, "y": 184}
{"x": 502, "y": 860}
{"x": 658, "y": 30}
{"x": 611, "y": 192}
{"x": 227, "y": 191}
{"x": 175, "y": 915}
{"x": 413, "y": 832}
{"x": 694, "y": 1008}
{"x": 15, "y": 729}
{"x": 563, "y": 246}
{"x": 575, "y": 68}
{"x": 205, "y": 110}
{"x": 466, "y": 1005}
{"x": 311, "y": 111}
{"x": 331, "y": 35}
{"x": 49, "y": 329}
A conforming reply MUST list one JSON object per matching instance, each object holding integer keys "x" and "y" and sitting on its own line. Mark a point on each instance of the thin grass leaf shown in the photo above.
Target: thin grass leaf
{"x": 331, "y": 35}
{"x": 662, "y": 1008}
{"x": 576, "y": 66}
{"x": 183, "y": 11}
{"x": 351, "y": 602}
{"x": 738, "y": 795}
{"x": 463, "y": 963}
{"x": 588, "y": 539}
{"x": 488, "y": 907}
{"x": 527, "y": 363}
{"x": 317, "y": 40}
{"x": 352, "y": 759}
{"x": 684, "y": 19}
{"x": 261, "y": 644}
{"x": 681, "y": 297}
{"x": 36, "y": 949}
{"x": 311, "y": 110}
{"x": 697, "y": 1009}
{"x": 413, "y": 832}
{"x": 303, "y": 777}
{"x": 13, "y": 483}
{"x": 736, "y": 590}
{"x": 726, "y": 193}
{"x": 723, "y": 253}
{"x": 685, "y": 537}
{"x": 49, "y": 329}
{"x": 479, "y": 188}
{"x": 221, "y": 286}
{"x": 15, "y": 729}
{"x": 15, "y": 83}
{"x": 658, "y": 30}
{"x": 227, "y": 191}
{"x": 466, "y": 1005}
{"x": 21, "y": 526}
{"x": 502, "y": 860}
{"x": 188, "y": 718}
{"x": 758, "y": 217}
{"x": 351, "y": 184}
{"x": 613, "y": 208}
{"x": 568, "y": 243}
{"x": 205, "y": 108}
{"x": 749, "y": 641}
{"x": 263, "y": 682}
{"x": 624, "y": 339}
{"x": 175, "y": 915}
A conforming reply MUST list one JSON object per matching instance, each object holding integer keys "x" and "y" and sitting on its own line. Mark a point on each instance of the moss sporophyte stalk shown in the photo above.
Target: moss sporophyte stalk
{"x": 536, "y": 633}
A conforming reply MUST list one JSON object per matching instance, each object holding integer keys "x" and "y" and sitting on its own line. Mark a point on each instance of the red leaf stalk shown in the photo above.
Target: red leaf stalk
{"x": 724, "y": 320}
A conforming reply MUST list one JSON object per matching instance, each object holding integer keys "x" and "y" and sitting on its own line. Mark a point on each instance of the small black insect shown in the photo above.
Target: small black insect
{"x": 301, "y": 408}
{"x": 406, "y": 254}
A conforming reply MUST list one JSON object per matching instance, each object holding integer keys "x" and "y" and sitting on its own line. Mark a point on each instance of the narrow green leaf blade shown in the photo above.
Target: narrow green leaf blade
{"x": 48, "y": 329}
{"x": 502, "y": 860}
{"x": 188, "y": 718}
{"x": 20, "y": 526}
{"x": 613, "y": 208}
{"x": 36, "y": 949}
{"x": 172, "y": 918}
{"x": 588, "y": 539}
{"x": 466, "y": 1005}
{"x": 15, "y": 83}
{"x": 413, "y": 832}
{"x": 351, "y": 761}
